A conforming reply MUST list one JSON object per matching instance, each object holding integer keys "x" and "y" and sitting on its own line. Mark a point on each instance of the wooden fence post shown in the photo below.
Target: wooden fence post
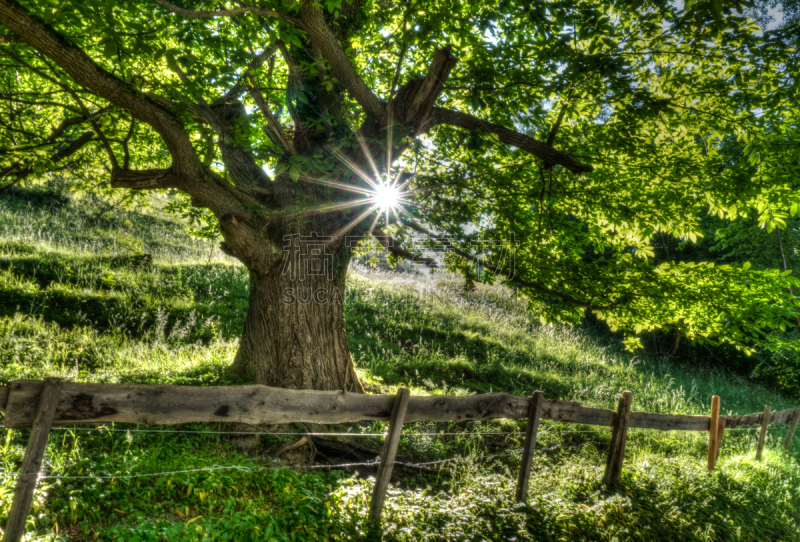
{"x": 32, "y": 462}
{"x": 389, "y": 454}
{"x": 713, "y": 433}
{"x": 532, "y": 429}
{"x": 792, "y": 427}
{"x": 720, "y": 432}
{"x": 619, "y": 434}
{"x": 762, "y": 436}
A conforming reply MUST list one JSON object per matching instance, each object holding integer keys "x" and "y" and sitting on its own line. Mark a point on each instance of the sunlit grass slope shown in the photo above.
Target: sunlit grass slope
{"x": 94, "y": 293}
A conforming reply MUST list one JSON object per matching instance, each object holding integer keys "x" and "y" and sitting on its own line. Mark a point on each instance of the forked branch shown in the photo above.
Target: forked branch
{"x": 415, "y": 100}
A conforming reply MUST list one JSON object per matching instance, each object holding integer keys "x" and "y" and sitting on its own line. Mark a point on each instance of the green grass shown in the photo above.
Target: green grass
{"x": 80, "y": 298}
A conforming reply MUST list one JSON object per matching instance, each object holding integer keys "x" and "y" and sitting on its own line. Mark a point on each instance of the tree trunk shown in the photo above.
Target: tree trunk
{"x": 294, "y": 333}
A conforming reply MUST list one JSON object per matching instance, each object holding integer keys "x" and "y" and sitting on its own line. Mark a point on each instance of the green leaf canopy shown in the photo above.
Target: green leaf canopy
{"x": 545, "y": 143}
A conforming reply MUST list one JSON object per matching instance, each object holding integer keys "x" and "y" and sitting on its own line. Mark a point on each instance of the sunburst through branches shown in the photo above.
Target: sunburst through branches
{"x": 384, "y": 194}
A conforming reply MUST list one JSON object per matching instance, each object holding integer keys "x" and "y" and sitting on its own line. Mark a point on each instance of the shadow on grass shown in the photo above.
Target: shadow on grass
{"x": 124, "y": 292}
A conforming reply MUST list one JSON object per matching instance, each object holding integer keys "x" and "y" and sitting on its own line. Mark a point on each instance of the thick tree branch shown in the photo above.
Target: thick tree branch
{"x": 239, "y": 161}
{"x": 521, "y": 141}
{"x": 188, "y": 172}
{"x": 209, "y": 14}
{"x": 323, "y": 38}
{"x": 415, "y": 100}
{"x": 144, "y": 179}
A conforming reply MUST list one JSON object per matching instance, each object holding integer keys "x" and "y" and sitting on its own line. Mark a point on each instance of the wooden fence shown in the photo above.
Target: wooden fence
{"x": 42, "y": 404}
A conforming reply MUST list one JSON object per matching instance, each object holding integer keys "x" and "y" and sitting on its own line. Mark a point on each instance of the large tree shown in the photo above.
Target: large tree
{"x": 547, "y": 143}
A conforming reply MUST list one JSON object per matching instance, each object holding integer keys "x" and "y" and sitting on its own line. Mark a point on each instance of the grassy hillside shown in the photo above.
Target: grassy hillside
{"x": 100, "y": 294}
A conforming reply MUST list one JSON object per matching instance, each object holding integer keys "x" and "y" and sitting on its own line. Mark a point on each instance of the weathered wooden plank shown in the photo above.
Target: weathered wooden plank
{"x": 779, "y": 416}
{"x": 3, "y": 397}
{"x": 595, "y": 416}
{"x": 685, "y": 422}
{"x": 619, "y": 436}
{"x": 389, "y": 454}
{"x": 561, "y": 411}
{"x": 32, "y": 462}
{"x": 163, "y": 404}
{"x": 792, "y": 427}
{"x": 160, "y": 404}
{"x": 713, "y": 433}
{"x": 531, "y": 431}
{"x": 669, "y": 422}
{"x": 762, "y": 435}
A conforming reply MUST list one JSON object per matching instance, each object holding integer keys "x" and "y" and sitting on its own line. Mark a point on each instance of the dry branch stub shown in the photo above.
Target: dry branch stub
{"x": 713, "y": 433}
{"x": 792, "y": 428}
{"x": 389, "y": 454}
{"x": 619, "y": 434}
{"x": 32, "y": 462}
{"x": 532, "y": 429}
{"x": 762, "y": 435}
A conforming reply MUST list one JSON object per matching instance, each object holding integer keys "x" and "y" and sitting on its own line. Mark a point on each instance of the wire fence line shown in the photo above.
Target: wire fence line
{"x": 284, "y": 434}
{"x": 374, "y": 463}
{"x": 315, "y": 434}
{"x": 552, "y": 430}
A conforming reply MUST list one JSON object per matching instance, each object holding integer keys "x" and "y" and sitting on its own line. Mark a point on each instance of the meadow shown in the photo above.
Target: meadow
{"x": 98, "y": 293}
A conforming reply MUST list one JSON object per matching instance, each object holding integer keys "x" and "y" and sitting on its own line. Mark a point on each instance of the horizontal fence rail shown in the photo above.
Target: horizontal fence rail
{"x": 167, "y": 405}
{"x": 43, "y": 404}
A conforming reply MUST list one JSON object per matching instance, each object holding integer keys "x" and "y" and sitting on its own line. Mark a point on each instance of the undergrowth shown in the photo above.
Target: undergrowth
{"x": 99, "y": 294}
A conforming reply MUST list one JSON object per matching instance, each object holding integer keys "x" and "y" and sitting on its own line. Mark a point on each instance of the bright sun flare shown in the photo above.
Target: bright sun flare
{"x": 387, "y": 196}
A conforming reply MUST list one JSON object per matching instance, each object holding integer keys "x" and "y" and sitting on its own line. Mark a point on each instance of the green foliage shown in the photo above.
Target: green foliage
{"x": 652, "y": 94}
{"x": 245, "y": 502}
{"x": 461, "y": 344}
{"x": 781, "y": 368}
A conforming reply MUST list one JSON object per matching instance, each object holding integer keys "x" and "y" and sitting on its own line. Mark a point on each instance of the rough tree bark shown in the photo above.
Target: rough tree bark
{"x": 294, "y": 333}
